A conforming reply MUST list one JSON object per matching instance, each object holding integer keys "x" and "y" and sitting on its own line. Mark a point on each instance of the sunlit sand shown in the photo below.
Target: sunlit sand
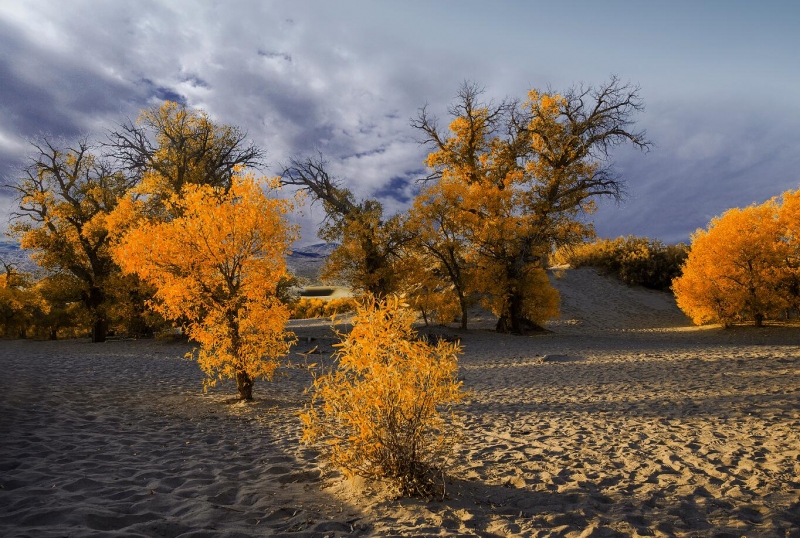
{"x": 622, "y": 421}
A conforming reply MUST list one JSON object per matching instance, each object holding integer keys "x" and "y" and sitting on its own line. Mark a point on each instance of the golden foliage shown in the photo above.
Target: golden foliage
{"x": 127, "y": 307}
{"x": 368, "y": 256}
{"x": 634, "y": 260}
{"x": 20, "y": 303}
{"x": 734, "y": 267}
{"x": 66, "y": 316}
{"x": 187, "y": 148}
{"x": 496, "y": 219}
{"x": 369, "y": 245}
{"x": 309, "y": 307}
{"x": 429, "y": 292}
{"x": 217, "y": 268}
{"x": 789, "y": 224}
{"x": 539, "y": 299}
{"x": 440, "y": 282}
{"x": 66, "y": 196}
{"x": 386, "y": 409}
{"x": 513, "y": 181}
{"x": 47, "y": 308}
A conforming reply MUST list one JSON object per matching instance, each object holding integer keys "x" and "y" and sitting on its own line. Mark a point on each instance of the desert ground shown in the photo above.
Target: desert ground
{"x": 622, "y": 421}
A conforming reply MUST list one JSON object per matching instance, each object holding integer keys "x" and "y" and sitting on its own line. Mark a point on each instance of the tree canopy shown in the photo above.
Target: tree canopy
{"x": 170, "y": 146}
{"x": 509, "y": 182}
{"x": 370, "y": 245}
{"x": 217, "y": 268}
{"x": 744, "y": 265}
{"x": 516, "y": 177}
{"x": 65, "y": 197}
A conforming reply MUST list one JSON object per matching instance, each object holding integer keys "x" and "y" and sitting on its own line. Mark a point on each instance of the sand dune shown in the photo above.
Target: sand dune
{"x": 592, "y": 302}
{"x": 623, "y": 421}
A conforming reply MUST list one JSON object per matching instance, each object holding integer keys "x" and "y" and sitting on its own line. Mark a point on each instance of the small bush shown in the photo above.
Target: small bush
{"x": 340, "y": 306}
{"x": 308, "y": 308}
{"x": 635, "y": 260}
{"x": 385, "y": 410}
{"x": 438, "y": 305}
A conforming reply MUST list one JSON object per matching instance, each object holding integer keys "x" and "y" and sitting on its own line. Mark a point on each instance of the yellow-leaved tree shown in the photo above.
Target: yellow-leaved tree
{"x": 216, "y": 267}
{"x": 386, "y": 409}
{"x": 789, "y": 223}
{"x": 734, "y": 267}
{"x": 427, "y": 289}
{"x": 515, "y": 180}
{"x": 444, "y": 280}
{"x": 65, "y": 198}
{"x": 370, "y": 246}
{"x": 170, "y": 145}
{"x": 20, "y": 303}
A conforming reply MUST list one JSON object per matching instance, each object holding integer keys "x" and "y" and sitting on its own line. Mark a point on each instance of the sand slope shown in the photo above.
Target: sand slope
{"x": 622, "y": 422}
{"x": 592, "y": 302}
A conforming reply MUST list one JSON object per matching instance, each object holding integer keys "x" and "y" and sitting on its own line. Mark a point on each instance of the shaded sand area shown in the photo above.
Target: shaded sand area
{"x": 624, "y": 421}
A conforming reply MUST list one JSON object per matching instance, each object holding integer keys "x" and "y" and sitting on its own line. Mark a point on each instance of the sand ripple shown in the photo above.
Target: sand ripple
{"x": 600, "y": 432}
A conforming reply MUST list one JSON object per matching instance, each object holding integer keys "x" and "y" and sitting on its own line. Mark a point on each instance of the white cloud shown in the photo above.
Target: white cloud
{"x": 701, "y": 146}
{"x": 10, "y": 144}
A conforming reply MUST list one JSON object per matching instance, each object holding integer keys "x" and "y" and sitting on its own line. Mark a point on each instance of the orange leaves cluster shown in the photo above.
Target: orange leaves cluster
{"x": 188, "y": 149}
{"x": 370, "y": 247}
{"x": 385, "y": 410}
{"x": 20, "y": 303}
{"x": 497, "y": 206}
{"x": 308, "y": 308}
{"x": 637, "y": 261}
{"x": 68, "y": 197}
{"x": 65, "y": 197}
{"x": 744, "y": 266}
{"x": 216, "y": 268}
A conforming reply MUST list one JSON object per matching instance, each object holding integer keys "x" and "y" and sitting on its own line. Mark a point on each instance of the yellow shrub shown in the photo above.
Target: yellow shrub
{"x": 635, "y": 260}
{"x": 340, "y": 306}
{"x": 386, "y": 408}
{"x": 307, "y": 307}
{"x": 735, "y": 268}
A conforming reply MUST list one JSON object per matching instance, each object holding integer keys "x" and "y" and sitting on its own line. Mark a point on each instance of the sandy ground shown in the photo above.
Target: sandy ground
{"x": 623, "y": 421}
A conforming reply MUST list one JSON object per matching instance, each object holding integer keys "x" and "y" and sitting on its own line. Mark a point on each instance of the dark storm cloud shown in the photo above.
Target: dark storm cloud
{"x": 163, "y": 93}
{"x": 401, "y": 189}
{"x": 278, "y": 55}
{"x": 54, "y": 92}
{"x": 345, "y": 78}
{"x": 196, "y": 82}
{"x": 31, "y": 88}
{"x": 704, "y": 162}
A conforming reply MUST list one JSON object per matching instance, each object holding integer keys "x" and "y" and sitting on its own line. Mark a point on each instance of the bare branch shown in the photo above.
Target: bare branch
{"x": 310, "y": 175}
{"x": 197, "y": 143}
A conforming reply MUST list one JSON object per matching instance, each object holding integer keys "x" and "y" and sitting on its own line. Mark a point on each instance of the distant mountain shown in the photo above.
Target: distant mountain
{"x": 306, "y": 261}
{"x": 320, "y": 250}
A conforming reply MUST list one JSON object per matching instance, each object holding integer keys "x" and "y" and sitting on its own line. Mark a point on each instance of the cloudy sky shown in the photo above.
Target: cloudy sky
{"x": 719, "y": 79}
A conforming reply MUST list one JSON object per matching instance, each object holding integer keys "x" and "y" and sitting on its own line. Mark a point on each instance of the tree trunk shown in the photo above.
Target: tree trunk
{"x": 503, "y": 325}
{"x": 94, "y": 300}
{"x": 514, "y": 321}
{"x": 462, "y": 302}
{"x": 244, "y": 384}
{"x": 99, "y": 330}
{"x": 759, "y": 319}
